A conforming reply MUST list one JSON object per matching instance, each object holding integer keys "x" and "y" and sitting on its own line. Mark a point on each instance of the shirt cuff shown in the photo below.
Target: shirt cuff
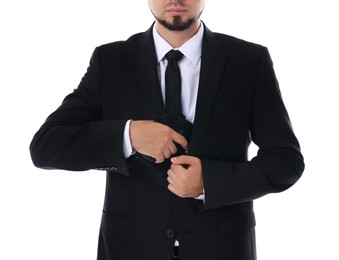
{"x": 127, "y": 146}
{"x": 202, "y": 196}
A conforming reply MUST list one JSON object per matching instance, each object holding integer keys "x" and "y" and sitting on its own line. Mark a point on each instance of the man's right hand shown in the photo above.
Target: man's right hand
{"x": 155, "y": 139}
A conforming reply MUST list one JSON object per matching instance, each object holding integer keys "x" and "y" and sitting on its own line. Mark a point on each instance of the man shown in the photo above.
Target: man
{"x": 197, "y": 205}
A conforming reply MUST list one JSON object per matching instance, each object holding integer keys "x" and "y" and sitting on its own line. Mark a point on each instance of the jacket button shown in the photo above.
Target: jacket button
{"x": 170, "y": 233}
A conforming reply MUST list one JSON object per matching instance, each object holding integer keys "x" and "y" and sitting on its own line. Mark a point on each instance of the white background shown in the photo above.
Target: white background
{"x": 45, "y": 49}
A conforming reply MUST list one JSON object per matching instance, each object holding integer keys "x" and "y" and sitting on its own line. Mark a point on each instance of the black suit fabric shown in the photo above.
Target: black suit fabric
{"x": 239, "y": 101}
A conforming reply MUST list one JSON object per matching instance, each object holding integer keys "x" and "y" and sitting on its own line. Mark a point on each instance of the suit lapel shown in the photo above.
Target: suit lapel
{"x": 145, "y": 63}
{"x": 213, "y": 63}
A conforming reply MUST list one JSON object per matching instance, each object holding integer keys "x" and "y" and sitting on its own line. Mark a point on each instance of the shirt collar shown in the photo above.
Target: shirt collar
{"x": 191, "y": 49}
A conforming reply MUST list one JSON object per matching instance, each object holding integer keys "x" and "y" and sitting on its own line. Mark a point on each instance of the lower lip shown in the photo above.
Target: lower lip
{"x": 176, "y": 12}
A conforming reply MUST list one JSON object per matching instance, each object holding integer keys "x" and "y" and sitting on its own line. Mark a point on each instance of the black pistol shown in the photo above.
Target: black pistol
{"x": 178, "y": 123}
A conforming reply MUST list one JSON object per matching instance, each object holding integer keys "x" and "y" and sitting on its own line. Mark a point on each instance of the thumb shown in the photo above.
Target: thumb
{"x": 182, "y": 159}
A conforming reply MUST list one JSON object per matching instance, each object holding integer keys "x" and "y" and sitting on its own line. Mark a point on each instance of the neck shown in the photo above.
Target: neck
{"x": 177, "y": 38}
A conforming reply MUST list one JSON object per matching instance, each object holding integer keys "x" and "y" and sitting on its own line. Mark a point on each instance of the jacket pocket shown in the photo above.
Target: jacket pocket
{"x": 236, "y": 224}
{"x": 118, "y": 217}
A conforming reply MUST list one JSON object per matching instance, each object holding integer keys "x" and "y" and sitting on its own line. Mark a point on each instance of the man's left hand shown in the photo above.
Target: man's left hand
{"x": 185, "y": 182}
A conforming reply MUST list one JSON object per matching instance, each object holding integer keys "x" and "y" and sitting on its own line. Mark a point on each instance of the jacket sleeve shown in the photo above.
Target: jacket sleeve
{"x": 279, "y": 162}
{"x": 75, "y": 137}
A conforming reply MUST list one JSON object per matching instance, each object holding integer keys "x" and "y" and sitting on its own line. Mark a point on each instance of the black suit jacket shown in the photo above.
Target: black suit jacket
{"x": 238, "y": 101}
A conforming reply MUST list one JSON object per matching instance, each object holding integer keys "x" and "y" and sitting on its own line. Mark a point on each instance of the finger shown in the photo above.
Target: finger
{"x": 177, "y": 169}
{"x": 172, "y": 189}
{"x": 183, "y": 159}
{"x": 172, "y": 148}
{"x": 170, "y": 180}
{"x": 176, "y": 191}
{"x": 179, "y": 139}
{"x": 167, "y": 153}
{"x": 171, "y": 174}
{"x": 174, "y": 177}
{"x": 159, "y": 159}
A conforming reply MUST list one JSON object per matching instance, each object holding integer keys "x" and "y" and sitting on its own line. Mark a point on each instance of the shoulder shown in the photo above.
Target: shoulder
{"x": 233, "y": 45}
{"x": 237, "y": 41}
{"x": 236, "y": 45}
{"x": 122, "y": 45}
{"x": 238, "y": 51}
{"x": 117, "y": 51}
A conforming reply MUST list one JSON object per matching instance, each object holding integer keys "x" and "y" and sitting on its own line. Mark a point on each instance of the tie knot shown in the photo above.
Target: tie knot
{"x": 174, "y": 55}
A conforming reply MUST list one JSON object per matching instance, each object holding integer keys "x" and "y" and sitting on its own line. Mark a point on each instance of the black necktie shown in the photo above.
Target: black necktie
{"x": 173, "y": 81}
